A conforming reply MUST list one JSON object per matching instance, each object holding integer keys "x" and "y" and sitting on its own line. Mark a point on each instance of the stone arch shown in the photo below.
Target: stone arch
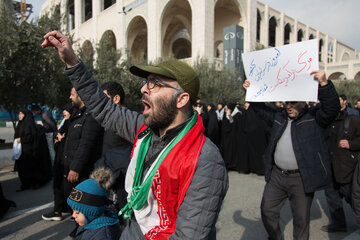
{"x": 219, "y": 49}
{"x": 287, "y": 31}
{"x": 108, "y": 40}
{"x": 176, "y": 22}
{"x": 137, "y": 38}
{"x": 337, "y": 76}
{"x": 272, "y": 31}
{"x": 345, "y": 56}
{"x": 87, "y": 53}
{"x": 258, "y": 25}
{"x": 226, "y": 13}
{"x": 300, "y": 35}
{"x": 181, "y": 48}
{"x": 357, "y": 76}
{"x": 311, "y": 36}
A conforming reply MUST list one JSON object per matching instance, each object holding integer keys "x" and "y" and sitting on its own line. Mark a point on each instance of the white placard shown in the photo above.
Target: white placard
{"x": 282, "y": 73}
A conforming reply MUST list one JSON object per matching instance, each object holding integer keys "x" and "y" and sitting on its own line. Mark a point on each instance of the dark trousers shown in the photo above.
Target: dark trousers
{"x": 61, "y": 193}
{"x": 334, "y": 200}
{"x": 277, "y": 190}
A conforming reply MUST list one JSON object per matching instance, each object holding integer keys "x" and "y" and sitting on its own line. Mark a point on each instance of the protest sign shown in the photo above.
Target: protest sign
{"x": 282, "y": 73}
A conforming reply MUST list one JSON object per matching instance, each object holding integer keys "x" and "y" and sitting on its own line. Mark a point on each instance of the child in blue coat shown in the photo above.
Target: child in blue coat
{"x": 88, "y": 201}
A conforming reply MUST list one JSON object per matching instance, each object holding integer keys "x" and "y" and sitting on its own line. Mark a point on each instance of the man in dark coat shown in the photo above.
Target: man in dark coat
{"x": 343, "y": 138}
{"x": 82, "y": 147}
{"x": 296, "y": 160}
{"x": 116, "y": 151}
{"x": 344, "y": 106}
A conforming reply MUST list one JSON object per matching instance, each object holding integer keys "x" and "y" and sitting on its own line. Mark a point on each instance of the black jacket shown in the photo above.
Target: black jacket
{"x": 343, "y": 160}
{"x": 307, "y": 134}
{"x": 83, "y": 143}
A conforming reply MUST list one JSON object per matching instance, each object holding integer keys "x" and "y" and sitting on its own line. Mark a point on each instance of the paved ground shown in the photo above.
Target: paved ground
{"x": 7, "y": 133}
{"x": 238, "y": 219}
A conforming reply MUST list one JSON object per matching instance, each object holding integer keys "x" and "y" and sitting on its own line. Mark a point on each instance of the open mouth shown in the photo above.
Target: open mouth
{"x": 147, "y": 106}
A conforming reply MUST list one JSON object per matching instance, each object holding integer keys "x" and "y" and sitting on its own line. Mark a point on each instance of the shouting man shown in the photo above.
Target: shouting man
{"x": 176, "y": 180}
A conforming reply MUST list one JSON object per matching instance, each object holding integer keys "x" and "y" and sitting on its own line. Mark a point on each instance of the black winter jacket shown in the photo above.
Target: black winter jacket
{"x": 307, "y": 134}
{"x": 83, "y": 143}
{"x": 343, "y": 160}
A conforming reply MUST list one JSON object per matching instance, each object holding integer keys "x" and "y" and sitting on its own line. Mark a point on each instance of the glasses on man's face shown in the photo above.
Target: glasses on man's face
{"x": 151, "y": 83}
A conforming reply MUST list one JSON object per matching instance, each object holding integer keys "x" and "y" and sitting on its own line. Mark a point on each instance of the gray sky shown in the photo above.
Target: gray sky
{"x": 337, "y": 18}
{"x": 36, "y": 7}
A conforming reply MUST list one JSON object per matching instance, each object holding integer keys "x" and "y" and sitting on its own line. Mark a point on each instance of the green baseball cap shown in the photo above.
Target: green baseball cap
{"x": 174, "y": 69}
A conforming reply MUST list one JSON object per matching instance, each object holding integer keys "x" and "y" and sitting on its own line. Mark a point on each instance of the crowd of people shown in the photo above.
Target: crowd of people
{"x": 238, "y": 132}
{"x": 163, "y": 173}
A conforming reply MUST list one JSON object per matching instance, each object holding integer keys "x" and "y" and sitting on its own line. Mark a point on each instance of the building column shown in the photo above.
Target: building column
{"x": 295, "y": 30}
{"x": 121, "y": 41}
{"x": 96, "y": 9}
{"x": 250, "y": 26}
{"x": 202, "y": 35}
{"x": 63, "y": 12}
{"x": 153, "y": 31}
{"x": 266, "y": 26}
{"x": 281, "y": 30}
{"x": 307, "y": 33}
{"x": 351, "y": 70}
{"x": 79, "y": 11}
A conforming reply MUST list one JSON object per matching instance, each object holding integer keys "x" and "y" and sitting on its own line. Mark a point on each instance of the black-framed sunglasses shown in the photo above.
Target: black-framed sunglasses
{"x": 152, "y": 82}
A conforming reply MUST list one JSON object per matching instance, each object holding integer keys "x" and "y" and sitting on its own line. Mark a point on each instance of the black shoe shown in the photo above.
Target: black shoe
{"x": 333, "y": 228}
{"x": 73, "y": 232}
{"x": 52, "y": 216}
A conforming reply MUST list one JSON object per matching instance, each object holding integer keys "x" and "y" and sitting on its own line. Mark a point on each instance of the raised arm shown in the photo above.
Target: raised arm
{"x": 329, "y": 100}
{"x": 121, "y": 120}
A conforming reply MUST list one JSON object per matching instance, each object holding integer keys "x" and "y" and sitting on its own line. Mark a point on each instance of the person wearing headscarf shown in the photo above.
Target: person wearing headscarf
{"x": 60, "y": 204}
{"x": 30, "y": 165}
{"x": 212, "y": 128}
{"x": 231, "y": 147}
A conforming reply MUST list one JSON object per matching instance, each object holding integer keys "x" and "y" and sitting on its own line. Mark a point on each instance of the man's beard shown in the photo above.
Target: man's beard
{"x": 76, "y": 104}
{"x": 163, "y": 115}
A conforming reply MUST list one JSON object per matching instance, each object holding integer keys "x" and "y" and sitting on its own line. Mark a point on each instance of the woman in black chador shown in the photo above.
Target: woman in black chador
{"x": 34, "y": 164}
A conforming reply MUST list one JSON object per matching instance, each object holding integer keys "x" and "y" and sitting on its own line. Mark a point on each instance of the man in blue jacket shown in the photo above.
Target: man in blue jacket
{"x": 296, "y": 160}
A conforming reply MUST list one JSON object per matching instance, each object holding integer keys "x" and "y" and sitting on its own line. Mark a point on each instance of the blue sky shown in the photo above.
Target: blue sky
{"x": 338, "y": 18}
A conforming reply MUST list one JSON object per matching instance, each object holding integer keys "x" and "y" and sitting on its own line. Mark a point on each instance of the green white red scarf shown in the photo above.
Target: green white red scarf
{"x": 156, "y": 200}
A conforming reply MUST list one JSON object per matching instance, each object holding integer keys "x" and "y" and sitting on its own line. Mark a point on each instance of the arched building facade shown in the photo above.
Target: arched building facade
{"x": 188, "y": 29}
